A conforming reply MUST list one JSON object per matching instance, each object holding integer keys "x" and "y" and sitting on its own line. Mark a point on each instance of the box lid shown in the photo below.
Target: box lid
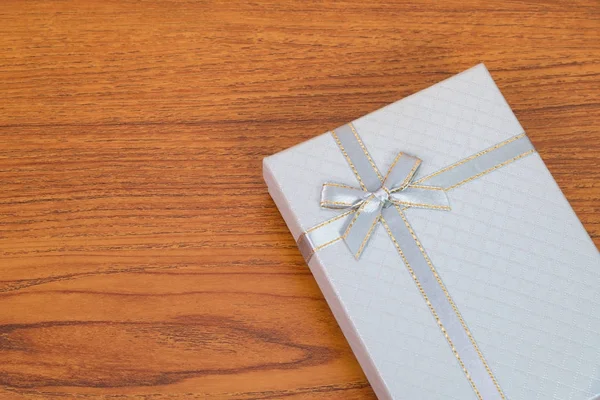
{"x": 512, "y": 253}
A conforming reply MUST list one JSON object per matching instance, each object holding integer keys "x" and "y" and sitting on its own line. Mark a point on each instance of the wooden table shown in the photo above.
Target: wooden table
{"x": 140, "y": 255}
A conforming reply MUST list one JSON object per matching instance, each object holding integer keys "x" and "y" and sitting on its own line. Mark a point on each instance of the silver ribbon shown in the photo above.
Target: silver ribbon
{"x": 383, "y": 199}
{"x": 397, "y": 189}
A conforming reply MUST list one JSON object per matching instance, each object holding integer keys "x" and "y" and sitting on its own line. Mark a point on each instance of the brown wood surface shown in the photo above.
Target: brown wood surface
{"x": 140, "y": 255}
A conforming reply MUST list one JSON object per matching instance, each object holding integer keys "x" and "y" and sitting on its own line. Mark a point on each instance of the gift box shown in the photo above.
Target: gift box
{"x": 450, "y": 258}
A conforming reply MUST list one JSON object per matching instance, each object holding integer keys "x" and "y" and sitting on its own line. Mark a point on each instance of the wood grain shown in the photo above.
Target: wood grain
{"x": 140, "y": 255}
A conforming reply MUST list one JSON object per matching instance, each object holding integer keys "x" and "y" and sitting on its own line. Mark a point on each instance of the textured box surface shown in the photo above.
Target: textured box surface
{"x": 512, "y": 253}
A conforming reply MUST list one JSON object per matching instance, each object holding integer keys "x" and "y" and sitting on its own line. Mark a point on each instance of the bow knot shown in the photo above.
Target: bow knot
{"x": 397, "y": 189}
{"x": 383, "y": 194}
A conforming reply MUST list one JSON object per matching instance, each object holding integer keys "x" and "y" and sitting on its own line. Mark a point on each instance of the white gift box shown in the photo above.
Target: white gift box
{"x": 522, "y": 273}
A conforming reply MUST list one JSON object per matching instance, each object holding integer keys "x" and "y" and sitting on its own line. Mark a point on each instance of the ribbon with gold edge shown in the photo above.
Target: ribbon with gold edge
{"x": 383, "y": 199}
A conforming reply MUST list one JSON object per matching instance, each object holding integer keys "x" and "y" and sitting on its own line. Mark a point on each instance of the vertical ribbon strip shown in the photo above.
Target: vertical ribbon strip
{"x": 383, "y": 199}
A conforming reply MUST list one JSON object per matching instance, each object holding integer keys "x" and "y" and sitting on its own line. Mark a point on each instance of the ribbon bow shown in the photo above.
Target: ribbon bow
{"x": 397, "y": 189}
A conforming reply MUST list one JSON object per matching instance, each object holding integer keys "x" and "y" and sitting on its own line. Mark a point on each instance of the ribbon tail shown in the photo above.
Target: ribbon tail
{"x": 360, "y": 228}
{"x": 335, "y": 195}
{"x": 421, "y": 196}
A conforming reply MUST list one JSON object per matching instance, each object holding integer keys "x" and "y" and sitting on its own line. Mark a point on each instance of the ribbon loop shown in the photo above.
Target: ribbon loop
{"x": 401, "y": 172}
{"x": 334, "y": 195}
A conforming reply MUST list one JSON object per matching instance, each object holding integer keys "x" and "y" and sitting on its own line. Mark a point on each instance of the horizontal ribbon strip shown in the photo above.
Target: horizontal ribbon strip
{"x": 328, "y": 232}
{"x": 383, "y": 199}
{"x": 481, "y": 163}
